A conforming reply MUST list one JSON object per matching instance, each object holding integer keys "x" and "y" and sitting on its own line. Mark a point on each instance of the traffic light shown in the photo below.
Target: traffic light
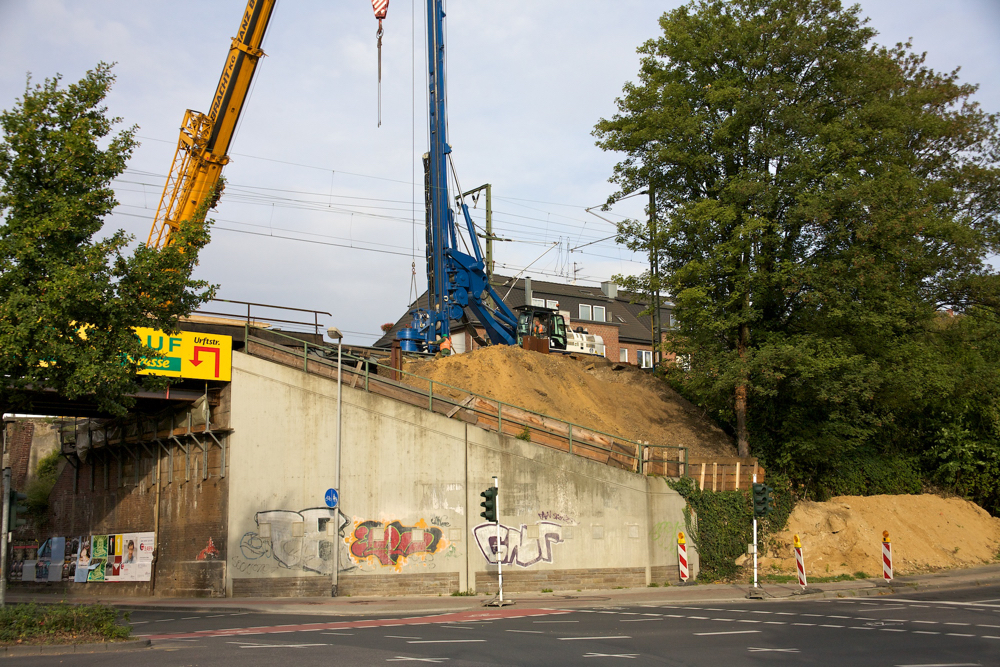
{"x": 760, "y": 500}
{"x": 13, "y": 522}
{"x": 768, "y": 500}
{"x": 489, "y": 504}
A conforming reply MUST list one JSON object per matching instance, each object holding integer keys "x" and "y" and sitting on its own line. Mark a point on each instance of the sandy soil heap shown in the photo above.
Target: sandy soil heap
{"x": 928, "y": 532}
{"x": 590, "y": 391}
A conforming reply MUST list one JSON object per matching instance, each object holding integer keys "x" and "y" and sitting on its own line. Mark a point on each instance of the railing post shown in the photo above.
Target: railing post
{"x": 499, "y": 417}
{"x": 366, "y": 377}
{"x": 305, "y": 356}
{"x": 430, "y": 395}
{"x": 570, "y": 438}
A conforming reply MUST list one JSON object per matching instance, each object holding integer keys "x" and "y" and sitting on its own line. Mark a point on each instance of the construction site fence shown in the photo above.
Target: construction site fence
{"x": 725, "y": 473}
{"x": 474, "y": 409}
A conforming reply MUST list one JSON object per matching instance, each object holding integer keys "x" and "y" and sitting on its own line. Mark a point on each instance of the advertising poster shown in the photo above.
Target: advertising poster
{"x": 113, "y": 569}
{"x": 96, "y": 572}
{"x": 144, "y": 556}
{"x": 70, "y": 557}
{"x": 98, "y": 557}
{"x": 82, "y": 561}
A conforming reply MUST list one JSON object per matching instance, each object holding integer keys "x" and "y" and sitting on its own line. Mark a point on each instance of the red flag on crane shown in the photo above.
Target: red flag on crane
{"x": 381, "y": 7}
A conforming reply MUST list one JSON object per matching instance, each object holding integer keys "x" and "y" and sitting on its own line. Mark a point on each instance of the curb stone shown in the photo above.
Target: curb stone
{"x": 62, "y": 649}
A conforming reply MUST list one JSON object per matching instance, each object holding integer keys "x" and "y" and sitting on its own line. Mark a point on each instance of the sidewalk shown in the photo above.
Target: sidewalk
{"x": 422, "y": 604}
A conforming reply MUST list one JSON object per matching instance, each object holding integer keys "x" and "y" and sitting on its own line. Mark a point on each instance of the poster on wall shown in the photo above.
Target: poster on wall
{"x": 49, "y": 566}
{"x": 82, "y": 560}
{"x": 112, "y": 570}
{"x": 98, "y": 557}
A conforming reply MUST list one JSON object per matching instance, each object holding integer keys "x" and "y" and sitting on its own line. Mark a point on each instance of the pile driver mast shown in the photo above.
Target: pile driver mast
{"x": 456, "y": 280}
{"x": 203, "y": 148}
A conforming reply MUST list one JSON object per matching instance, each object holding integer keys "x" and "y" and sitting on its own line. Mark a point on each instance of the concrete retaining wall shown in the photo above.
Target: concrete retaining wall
{"x": 409, "y": 514}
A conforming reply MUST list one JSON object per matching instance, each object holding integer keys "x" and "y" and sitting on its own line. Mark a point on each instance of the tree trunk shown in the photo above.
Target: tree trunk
{"x": 742, "y": 442}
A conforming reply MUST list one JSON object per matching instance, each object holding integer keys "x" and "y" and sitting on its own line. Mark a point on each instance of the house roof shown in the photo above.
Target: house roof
{"x": 620, "y": 310}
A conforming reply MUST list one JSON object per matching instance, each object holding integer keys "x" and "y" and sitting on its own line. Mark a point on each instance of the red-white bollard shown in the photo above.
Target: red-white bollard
{"x": 886, "y": 556}
{"x": 682, "y": 556}
{"x": 800, "y": 564}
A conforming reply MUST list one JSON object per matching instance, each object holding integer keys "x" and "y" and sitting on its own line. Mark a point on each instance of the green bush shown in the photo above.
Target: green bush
{"x": 870, "y": 474}
{"x": 725, "y": 523}
{"x": 38, "y": 490}
{"x": 31, "y": 623}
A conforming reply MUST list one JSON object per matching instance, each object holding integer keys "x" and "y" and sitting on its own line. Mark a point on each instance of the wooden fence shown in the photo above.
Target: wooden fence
{"x": 724, "y": 473}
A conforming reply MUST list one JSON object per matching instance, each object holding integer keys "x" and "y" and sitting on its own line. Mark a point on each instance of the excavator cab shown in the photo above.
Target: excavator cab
{"x": 541, "y": 323}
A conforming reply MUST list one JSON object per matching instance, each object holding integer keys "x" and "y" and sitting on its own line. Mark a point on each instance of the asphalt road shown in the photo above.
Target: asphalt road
{"x": 958, "y": 627}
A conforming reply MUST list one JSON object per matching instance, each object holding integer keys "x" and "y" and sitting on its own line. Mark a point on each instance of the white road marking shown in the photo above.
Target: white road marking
{"x": 748, "y": 620}
{"x": 962, "y": 604}
{"x": 988, "y": 626}
{"x": 215, "y": 616}
{"x": 945, "y": 664}
{"x": 531, "y": 632}
{"x": 639, "y": 620}
{"x": 925, "y": 632}
{"x": 816, "y": 615}
{"x": 958, "y": 634}
{"x": 838, "y": 616}
{"x": 927, "y": 622}
{"x": 459, "y": 627}
{"x": 570, "y": 639}
{"x": 189, "y": 618}
{"x": 805, "y": 624}
{"x": 342, "y": 634}
{"x": 399, "y": 637}
{"x": 831, "y": 626}
{"x": 772, "y": 650}
{"x": 785, "y": 613}
{"x": 857, "y": 627}
{"x": 139, "y": 622}
{"x": 724, "y": 619}
{"x": 611, "y": 655}
{"x": 163, "y": 620}
{"x": 660, "y": 615}
{"x": 775, "y": 623}
{"x": 700, "y": 618}
{"x": 555, "y": 621}
{"x": 403, "y": 658}
{"x": 446, "y": 641}
{"x": 958, "y": 623}
{"x": 280, "y": 645}
{"x": 892, "y": 630}
{"x": 732, "y": 632}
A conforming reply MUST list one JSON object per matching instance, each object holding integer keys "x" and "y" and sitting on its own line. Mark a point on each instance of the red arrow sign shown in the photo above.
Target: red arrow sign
{"x": 211, "y": 350}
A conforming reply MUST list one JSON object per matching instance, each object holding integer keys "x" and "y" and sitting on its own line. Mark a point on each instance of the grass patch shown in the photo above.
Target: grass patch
{"x": 789, "y": 578}
{"x": 62, "y": 624}
{"x": 546, "y": 590}
{"x": 468, "y": 593}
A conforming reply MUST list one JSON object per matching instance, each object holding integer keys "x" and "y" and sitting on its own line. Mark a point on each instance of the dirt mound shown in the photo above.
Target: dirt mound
{"x": 928, "y": 532}
{"x": 615, "y": 398}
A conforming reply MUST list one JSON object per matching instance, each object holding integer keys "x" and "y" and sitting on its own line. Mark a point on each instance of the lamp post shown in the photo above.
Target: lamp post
{"x": 335, "y": 334}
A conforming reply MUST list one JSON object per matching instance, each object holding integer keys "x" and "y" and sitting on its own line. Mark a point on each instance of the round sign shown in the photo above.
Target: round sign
{"x": 331, "y": 497}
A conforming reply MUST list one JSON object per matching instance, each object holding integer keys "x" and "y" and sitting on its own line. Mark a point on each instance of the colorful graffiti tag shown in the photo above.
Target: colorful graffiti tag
{"x": 516, "y": 547}
{"x": 391, "y": 543}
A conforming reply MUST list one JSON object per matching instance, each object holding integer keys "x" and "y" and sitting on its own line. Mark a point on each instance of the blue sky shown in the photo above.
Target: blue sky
{"x": 527, "y": 81}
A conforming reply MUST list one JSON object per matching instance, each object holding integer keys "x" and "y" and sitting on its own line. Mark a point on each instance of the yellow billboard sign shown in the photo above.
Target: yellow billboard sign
{"x": 187, "y": 354}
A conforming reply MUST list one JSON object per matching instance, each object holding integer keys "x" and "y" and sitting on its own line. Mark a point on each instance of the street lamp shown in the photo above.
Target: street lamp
{"x": 335, "y": 334}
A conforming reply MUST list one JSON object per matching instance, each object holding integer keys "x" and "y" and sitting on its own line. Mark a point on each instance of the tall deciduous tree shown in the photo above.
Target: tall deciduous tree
{"x": 69, "y": 297}
{"x": 821, "y": 199}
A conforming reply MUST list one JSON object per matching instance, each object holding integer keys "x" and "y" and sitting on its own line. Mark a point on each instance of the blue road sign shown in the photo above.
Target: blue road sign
{"x": 331, "y": 497}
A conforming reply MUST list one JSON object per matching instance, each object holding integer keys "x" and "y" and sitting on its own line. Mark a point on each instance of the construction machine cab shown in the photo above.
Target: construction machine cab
{"x": 541, "y": 323}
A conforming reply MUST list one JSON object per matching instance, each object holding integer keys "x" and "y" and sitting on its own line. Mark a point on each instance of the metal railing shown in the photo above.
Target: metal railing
{"x": 482, "y": 411}
{"x": 250, "y": 320}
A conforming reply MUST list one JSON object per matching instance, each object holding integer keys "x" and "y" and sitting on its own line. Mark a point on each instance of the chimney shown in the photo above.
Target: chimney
{"x": 610, "y": 289}
{"x": 527, "y": 291}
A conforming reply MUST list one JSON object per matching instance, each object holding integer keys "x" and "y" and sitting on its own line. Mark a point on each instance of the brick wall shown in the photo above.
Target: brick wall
{"x": 282, "y": 587}
{"x": 443, "y": 583}
{"x": 19, "y": 434}
{"x": 533, "y": 581}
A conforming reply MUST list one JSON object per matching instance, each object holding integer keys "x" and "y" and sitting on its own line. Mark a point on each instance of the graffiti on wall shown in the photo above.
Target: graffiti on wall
{"x": 391, "y": 544}
{"x": 516, "y": 547}
{"x": 292, "y": 540}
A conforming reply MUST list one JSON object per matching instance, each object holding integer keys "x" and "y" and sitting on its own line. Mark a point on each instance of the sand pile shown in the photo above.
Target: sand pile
{"x": 844, "y": 535}
{"x": 615, "y": 398}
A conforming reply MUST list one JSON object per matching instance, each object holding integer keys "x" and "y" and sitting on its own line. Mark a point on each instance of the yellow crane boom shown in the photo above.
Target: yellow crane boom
{"x": 203, "y": 147}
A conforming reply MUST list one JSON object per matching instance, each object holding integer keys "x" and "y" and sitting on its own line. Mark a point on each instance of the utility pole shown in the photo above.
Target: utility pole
{"x": 3, "y": 538}
{"x": 654, "y": 279}
{"x": 489, "y": 236}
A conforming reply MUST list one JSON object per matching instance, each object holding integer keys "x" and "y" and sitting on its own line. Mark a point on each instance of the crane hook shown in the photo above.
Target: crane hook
{"x": 381, "y": 7}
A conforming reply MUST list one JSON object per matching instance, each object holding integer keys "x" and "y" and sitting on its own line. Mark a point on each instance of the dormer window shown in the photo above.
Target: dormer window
{"x": 593, "y": 313}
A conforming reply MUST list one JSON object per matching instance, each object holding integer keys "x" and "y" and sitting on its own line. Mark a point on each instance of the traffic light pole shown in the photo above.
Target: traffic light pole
{"x": 496, "y": 485}
{"x": 754, "y": 542}
{"x": 3, "y": 538}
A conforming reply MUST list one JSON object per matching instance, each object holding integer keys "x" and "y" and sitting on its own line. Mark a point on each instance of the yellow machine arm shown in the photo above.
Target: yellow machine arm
{"x": 203, "y": 147}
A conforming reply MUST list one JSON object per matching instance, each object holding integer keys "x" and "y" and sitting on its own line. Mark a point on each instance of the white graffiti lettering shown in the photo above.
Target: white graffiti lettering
{"x": 516, "y": 548}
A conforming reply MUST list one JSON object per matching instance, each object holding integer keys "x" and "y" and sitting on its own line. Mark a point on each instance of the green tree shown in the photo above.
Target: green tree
{"x": 821, "y": 199}
{"x": 69, "y": 297}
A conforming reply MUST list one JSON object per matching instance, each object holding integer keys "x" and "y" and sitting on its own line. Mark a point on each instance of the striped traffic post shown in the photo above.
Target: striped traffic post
{"x": 886, "y": 556}
{"x": 682, "y": 556}
{"x": 800, "y": 564}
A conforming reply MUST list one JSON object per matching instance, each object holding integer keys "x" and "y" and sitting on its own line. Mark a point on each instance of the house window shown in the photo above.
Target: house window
{"x": 623, "y": 355}
{"x": 645, "y": 358}
{"x": 554, "y": 305}
{"x": 599, "y": 314}
{"x": 584, "y": 311}
{"x": 673, "y": 321}
{"x": 538, "y": 302}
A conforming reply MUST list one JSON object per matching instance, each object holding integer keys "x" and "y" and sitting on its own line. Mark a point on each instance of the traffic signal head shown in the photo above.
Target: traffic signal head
{"x": 759, "y": 500}
{"x": 16, "y": 508}
{"x": 768, "y": 500}
{"x": 489, "y": 504}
